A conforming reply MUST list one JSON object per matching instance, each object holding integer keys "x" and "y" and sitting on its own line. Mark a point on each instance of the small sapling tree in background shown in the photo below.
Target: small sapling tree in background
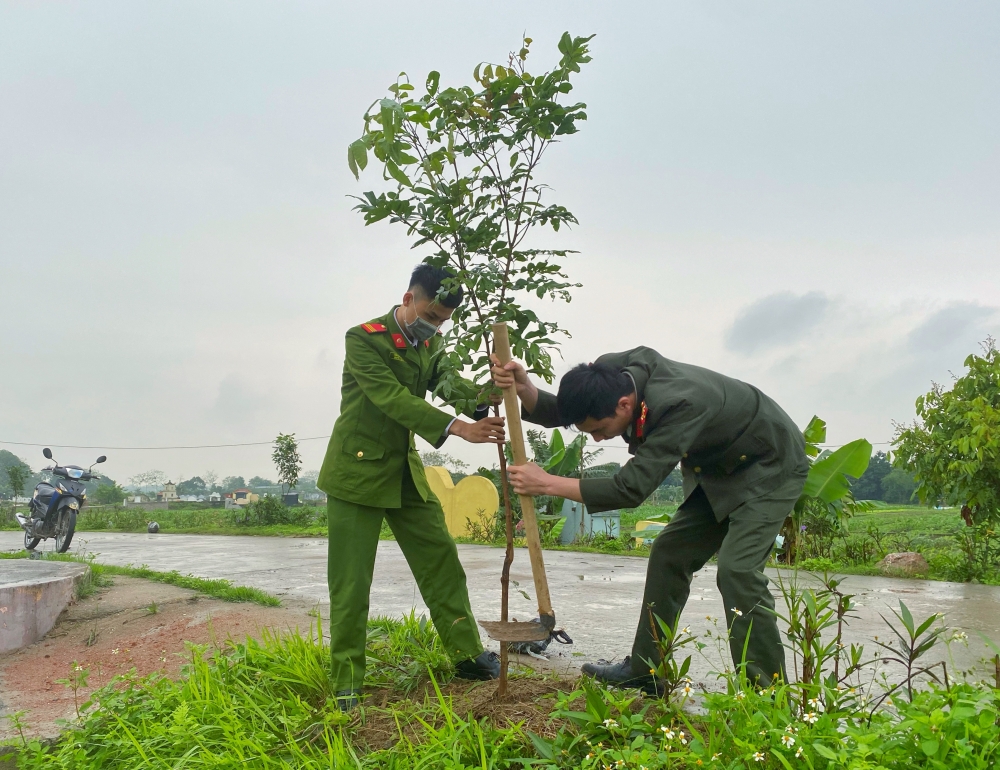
{"x": 953, "y": 447}
{"x": 287, "y": 461}
{"x": 17, "y": 477}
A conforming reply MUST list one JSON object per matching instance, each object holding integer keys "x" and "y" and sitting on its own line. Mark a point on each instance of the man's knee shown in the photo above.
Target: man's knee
{"x": 729, "y": 577}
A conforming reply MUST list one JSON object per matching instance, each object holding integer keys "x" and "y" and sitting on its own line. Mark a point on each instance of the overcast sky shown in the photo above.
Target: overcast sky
{"x": 801, "y": 195}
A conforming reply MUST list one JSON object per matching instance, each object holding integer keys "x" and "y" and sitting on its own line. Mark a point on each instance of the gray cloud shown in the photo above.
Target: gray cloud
{"x": 957, "y": 323}
{"x": 778, "y": 319}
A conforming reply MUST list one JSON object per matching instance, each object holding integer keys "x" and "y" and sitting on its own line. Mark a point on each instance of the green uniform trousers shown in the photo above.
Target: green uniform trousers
{"x": 420, "y": 530}
{"x": 743, "y": 542}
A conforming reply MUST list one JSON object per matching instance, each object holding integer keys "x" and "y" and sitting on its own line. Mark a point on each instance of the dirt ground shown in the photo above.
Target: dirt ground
{"x": 133, "y": 624}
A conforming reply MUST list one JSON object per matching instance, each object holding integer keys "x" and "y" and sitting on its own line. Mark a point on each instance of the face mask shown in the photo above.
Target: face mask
{"x": 420, "y": 329}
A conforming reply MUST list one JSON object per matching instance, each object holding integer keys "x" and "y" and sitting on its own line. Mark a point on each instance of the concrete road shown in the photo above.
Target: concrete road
{"x": 596, "y": 597}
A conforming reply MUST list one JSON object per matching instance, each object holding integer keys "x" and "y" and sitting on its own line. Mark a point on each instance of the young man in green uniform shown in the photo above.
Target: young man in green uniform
{"x": 372, "y": 471}
{"x": 743, "y": 463}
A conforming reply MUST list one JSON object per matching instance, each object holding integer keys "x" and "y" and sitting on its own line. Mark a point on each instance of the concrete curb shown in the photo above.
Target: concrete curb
{"x": 33, "y": 593}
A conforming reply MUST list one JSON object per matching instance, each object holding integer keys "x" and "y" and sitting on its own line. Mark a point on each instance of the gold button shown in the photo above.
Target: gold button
{"x": 361, "y": 454}
{"x": 743, "y": 458}
{"x": 697, "y": 469}
{"x": 685, "y": 455}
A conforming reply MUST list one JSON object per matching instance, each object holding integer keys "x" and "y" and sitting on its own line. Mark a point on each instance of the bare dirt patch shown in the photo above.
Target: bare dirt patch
{"x": 133, "y": 625}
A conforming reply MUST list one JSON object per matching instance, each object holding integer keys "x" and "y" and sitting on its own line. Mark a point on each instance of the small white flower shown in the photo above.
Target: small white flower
{"x": 668, "y": 733}
{"x": 716, "y": 756}
{"x": 738, "y": 614}
{"x": 811, "y": 718}
{"x": 787, "y": 741}
{"x": 758, "y": 757}
{"x": 798, "y": 752}
{"x": 740, "y": 695}
{"x": 790, "y": 729}
{"x": 687, "y": 689}
{"x": 686, "y": 630}
{"x": 609, "y": 723}
{"x": 816, "y": 703}
{"x": 115, "y": 651}
{"x": 682, "y": 738}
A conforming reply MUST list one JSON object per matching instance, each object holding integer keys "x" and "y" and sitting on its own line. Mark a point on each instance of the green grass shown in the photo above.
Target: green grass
{"x": 100, "y": 576}
{"x": 268, "y": 704}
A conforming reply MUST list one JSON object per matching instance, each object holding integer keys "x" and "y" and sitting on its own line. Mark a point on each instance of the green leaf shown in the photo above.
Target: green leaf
{"x": 930, "y": 748}
{"x": 433, "y": 79}
{"x": 827, "y": 478}
{"x": 397, "y": 174}
{"x": 824, "y": 751}
{"x": 544, "y": 748}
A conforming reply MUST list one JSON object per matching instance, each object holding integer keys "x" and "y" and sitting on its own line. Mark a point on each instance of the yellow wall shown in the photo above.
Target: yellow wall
{"x": 464, "y": 501}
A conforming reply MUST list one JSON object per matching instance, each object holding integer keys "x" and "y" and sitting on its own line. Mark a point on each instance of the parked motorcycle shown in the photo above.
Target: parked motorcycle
{"x": 54, "y": 507}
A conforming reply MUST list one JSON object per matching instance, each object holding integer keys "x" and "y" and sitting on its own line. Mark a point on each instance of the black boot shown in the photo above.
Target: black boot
{"x": 485, "y": 666}
{"x": 347, "y": 700}
{"x": 620, "y": 675}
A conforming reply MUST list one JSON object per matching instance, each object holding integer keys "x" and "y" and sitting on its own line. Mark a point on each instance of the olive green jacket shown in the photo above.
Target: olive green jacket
{"x": 728, "y": 437}
{"x": 382, "y": 406}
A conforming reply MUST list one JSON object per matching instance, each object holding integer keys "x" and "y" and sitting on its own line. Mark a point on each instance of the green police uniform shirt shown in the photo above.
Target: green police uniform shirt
{"x": 727, "y": 436}
{"x": 382, "y": 407}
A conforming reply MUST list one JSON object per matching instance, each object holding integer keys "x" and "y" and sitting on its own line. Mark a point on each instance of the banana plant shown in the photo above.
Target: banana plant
{"x": 827, "y": 498}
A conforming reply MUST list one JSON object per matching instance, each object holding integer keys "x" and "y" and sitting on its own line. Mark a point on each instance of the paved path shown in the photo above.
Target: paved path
{"x": 596, "y": 596}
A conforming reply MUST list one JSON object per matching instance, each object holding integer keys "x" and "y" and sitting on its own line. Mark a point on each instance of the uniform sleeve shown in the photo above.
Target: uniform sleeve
{"x": 666, "y": 443}
{"x": 545, "y": 413}
{"x": 380, "y": 385}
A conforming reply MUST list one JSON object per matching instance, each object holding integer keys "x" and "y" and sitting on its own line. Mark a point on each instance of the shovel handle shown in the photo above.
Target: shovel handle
{"x": 512, "y": 409}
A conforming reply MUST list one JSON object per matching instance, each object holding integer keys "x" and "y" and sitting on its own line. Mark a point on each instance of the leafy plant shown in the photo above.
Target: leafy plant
{"x": 286, "y": 460}
{"x": 954, "y": 445}
{"x": 826, "y": 501}
{"x": 17, "y": 477}
{"x": 464, "y": 161}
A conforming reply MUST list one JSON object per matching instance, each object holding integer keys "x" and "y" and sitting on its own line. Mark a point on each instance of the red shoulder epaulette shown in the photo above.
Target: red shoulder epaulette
{"x": 373, "y": 328}
{"x": 400, "y": 341}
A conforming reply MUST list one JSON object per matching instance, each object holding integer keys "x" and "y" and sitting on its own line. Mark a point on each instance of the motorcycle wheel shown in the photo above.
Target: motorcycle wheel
{"x": 30, "y": 542}
{"x": 65, "y": 534}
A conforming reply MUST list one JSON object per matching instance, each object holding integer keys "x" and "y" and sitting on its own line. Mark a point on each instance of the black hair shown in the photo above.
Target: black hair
{"x": 429, "y": 280}
{"x": 591, "y": 390}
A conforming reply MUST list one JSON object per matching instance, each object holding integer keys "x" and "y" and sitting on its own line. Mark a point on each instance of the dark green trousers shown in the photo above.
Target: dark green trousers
{"x": 743, "y": 542}
{"x": 420, "y": 530}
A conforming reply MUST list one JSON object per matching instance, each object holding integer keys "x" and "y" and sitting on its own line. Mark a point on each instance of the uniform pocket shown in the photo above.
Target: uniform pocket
{"x": 362, "y": 449}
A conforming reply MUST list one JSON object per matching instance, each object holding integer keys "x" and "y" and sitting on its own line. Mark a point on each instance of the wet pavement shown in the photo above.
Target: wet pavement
{"x": 596, "y": 596}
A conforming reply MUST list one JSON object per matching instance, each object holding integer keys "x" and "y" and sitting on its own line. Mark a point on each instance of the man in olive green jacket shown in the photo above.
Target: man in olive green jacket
{"x": 743, "y": 464}
{"x": 372, "y": 471}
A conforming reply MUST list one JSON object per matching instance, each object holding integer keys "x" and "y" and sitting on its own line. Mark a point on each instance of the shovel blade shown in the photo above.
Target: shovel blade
{"x": 514, "y": 631}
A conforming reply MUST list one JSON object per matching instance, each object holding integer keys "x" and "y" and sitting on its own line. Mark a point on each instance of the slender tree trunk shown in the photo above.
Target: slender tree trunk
{"x": 507, "y": 561}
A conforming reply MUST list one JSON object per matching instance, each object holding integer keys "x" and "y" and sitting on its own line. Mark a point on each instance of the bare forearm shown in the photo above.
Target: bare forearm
{"x": 528, "y": 395}
{"x": 559, "y": 486}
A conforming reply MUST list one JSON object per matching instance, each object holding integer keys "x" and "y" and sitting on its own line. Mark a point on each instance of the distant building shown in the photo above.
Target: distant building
{"x": 215, "y": 497}
{"x": 168, "y": 493}
{"x": 243, "y": 496}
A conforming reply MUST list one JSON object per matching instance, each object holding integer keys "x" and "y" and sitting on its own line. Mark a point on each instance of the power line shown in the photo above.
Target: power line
{"x": 152, "y": 448}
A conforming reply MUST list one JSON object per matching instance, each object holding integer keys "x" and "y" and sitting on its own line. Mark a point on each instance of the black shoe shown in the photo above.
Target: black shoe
{"x": 620, "y": 675}
{"x": 347, "y": 700}
{"x": 485, "y": 666}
